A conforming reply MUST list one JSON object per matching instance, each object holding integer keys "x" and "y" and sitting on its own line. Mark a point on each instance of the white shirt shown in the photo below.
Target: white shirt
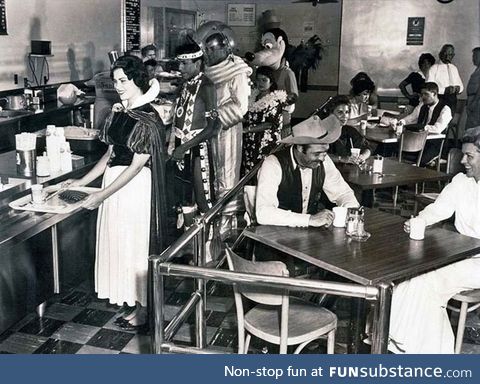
{"x": 269, "y": 179}
{"x": 440, "y": 125}
{"x": 357, "y": 109}
{"x": 462, "y": 197}
{"x": 444, "y": 75}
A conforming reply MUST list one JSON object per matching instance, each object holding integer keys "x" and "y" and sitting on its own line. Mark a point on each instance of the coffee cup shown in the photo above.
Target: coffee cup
{"x": 377, "y": 166}
{"x": 417, "y": 228}
{"x": 37, "y": 194}
{"x": 340, "y": 216}
{"x": 189, "y": 214}
{"x": 355, "y": 152}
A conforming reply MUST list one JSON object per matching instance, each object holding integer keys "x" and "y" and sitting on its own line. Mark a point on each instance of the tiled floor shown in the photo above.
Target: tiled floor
{"x": 75, "y": 322}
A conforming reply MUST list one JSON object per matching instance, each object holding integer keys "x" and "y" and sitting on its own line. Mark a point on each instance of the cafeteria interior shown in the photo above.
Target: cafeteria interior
{"x": 341, "y": 261}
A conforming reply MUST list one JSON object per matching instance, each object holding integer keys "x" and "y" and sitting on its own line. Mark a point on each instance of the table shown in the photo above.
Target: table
{"x": 386, "y": 135}
{"x": 394, "y": 174}
{"x": 372, "y": 263}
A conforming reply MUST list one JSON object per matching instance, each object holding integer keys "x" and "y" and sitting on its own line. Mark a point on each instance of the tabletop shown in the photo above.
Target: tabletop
{"x": 394, "y": 174}
{"x": 380, "y": 134}
{"x": 389, "y": 255}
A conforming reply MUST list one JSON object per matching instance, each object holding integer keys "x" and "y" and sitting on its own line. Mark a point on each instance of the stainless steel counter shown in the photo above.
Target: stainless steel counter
{"x": 50, "y": 107}
{"x": 40, "y": 253}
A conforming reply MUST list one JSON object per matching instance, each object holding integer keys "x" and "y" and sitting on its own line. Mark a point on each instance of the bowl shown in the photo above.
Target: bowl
{"x": 68, "y": 100}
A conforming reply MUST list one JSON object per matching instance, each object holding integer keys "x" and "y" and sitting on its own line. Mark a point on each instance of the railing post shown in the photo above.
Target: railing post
{"x": 381, "y": 321}
{"x": 158, "y": 309}
{"x": 200, "y": 285}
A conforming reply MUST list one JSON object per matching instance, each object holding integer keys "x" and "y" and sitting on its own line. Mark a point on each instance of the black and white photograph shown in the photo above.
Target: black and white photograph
{"x": 239, "y": 177}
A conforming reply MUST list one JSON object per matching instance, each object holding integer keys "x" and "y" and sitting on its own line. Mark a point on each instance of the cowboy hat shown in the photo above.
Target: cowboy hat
{"x": 315, "y": 131}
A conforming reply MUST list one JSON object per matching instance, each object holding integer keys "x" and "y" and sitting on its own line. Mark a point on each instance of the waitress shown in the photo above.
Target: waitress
{"x": 131, "y": 219}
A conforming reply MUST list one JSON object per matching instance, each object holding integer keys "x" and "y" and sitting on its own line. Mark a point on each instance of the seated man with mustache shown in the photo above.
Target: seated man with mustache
{"x": 293, "y": 182}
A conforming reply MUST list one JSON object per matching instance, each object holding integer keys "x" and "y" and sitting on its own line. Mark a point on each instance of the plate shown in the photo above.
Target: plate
{"x": 52, "y": 205}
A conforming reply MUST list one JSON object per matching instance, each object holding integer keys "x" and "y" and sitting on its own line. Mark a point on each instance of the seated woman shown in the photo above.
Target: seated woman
{"x": 417, "y": 79}
{"x": 362, "y": 95}
{"x": 350, "y": 138}
{"x": 264, "y": 119}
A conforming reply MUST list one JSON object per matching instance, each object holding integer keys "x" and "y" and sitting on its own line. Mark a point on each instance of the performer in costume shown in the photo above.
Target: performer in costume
{"x": 131, "y": 221}
{"x": 194, "y": 123}
{"x": 273, "y": 55}
{"x": 230, "y": 75}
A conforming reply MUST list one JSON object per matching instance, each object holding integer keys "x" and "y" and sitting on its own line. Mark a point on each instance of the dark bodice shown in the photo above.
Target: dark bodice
{"x": 119, "y": 132}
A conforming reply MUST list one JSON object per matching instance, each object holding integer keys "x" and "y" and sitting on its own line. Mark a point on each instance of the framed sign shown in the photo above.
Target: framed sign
{"x": 3, "y": 18}
{"x": 241, "y": 15}
{"x": 415, "y": 30}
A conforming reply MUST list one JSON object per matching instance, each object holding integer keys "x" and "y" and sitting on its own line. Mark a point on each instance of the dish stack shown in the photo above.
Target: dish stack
{"x": 25, "y": 145}
{"x": 58, "y": 150}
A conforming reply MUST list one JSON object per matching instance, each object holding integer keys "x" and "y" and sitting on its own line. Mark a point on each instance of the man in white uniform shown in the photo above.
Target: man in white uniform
{"x": 419, "y": 322}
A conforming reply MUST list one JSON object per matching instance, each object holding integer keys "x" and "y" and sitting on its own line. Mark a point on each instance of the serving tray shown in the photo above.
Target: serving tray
{"x": 53, "y": 205}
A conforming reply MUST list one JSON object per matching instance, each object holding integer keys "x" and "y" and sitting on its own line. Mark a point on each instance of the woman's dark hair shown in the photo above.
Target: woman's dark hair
{"x": 361, "y": 82}
{"x": 134, "y": 69}
{"x": 336, "y": 101}
{"x": 426, "y": 57}
{"x": 267, "y": 72}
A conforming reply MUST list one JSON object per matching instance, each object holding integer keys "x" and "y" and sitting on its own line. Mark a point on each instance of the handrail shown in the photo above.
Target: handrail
{"x": 293, "y": 284}
{"x": 169, "y": 253}
{"x": 234, "y": 191}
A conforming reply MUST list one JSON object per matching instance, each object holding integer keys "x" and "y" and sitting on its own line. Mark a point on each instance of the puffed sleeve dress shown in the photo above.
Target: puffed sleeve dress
{"x": 131, "y": 222}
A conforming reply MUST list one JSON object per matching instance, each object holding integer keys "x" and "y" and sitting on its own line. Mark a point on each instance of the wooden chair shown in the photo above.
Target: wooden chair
{"x": 453, "y": 129}
{"x": 277, "y": 318}
{"x": 454, "y": 166}
{"x": 414, "y": 143}
{"x": 465, "y": 298}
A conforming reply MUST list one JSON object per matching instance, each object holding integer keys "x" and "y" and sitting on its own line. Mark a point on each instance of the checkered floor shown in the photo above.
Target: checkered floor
{"x": 76, "y": 322}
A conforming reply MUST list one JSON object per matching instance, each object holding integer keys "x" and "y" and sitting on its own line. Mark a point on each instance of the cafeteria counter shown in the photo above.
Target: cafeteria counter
{"x": 40, "y": 253}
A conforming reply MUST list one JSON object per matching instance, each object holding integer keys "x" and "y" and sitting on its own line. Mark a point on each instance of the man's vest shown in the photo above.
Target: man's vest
{"x": 423, "y": 115}
{"x": 290, "y": 189}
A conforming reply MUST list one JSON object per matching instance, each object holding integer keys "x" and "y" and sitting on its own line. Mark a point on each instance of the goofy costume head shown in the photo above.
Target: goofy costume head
{"x": 274, "y": 43}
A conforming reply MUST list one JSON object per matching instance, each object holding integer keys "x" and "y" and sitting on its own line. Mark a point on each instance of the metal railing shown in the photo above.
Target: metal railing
{"x": 162, "y": 265}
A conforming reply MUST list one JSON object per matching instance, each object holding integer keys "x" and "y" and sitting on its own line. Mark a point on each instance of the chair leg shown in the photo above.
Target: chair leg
{"x": 247, "y": 343}
{"x": 331, "y": 342}
{"x": 461, "y": 327}
{"x": 395, "y": 196}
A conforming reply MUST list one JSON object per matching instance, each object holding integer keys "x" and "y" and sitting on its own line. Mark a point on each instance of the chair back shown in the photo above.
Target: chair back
{"x": 249, "y": 195}
{"x": 454, "y": 159}
{"x": 412, "y": 142}
{"x": 261, "y": 295}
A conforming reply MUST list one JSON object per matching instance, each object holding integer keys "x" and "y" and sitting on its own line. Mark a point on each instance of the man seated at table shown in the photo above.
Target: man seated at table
{"x": 419, "y": 321}
{"x": 433, "y": 115}
{"x": 293, "y": 182}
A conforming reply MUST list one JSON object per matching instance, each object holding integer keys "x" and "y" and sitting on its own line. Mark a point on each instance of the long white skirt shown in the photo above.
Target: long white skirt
{"x": 123, "y": 233}
{"x": 419, "y": 321}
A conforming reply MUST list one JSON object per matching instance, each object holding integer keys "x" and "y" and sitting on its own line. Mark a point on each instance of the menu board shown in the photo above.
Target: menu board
{"x": 3, "y": 18}
{"x": 241, "y": 15}
{"x": 132, "y": 25}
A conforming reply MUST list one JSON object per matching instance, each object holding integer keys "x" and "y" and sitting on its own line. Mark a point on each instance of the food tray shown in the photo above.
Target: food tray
{"x": 53, "y": 205}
